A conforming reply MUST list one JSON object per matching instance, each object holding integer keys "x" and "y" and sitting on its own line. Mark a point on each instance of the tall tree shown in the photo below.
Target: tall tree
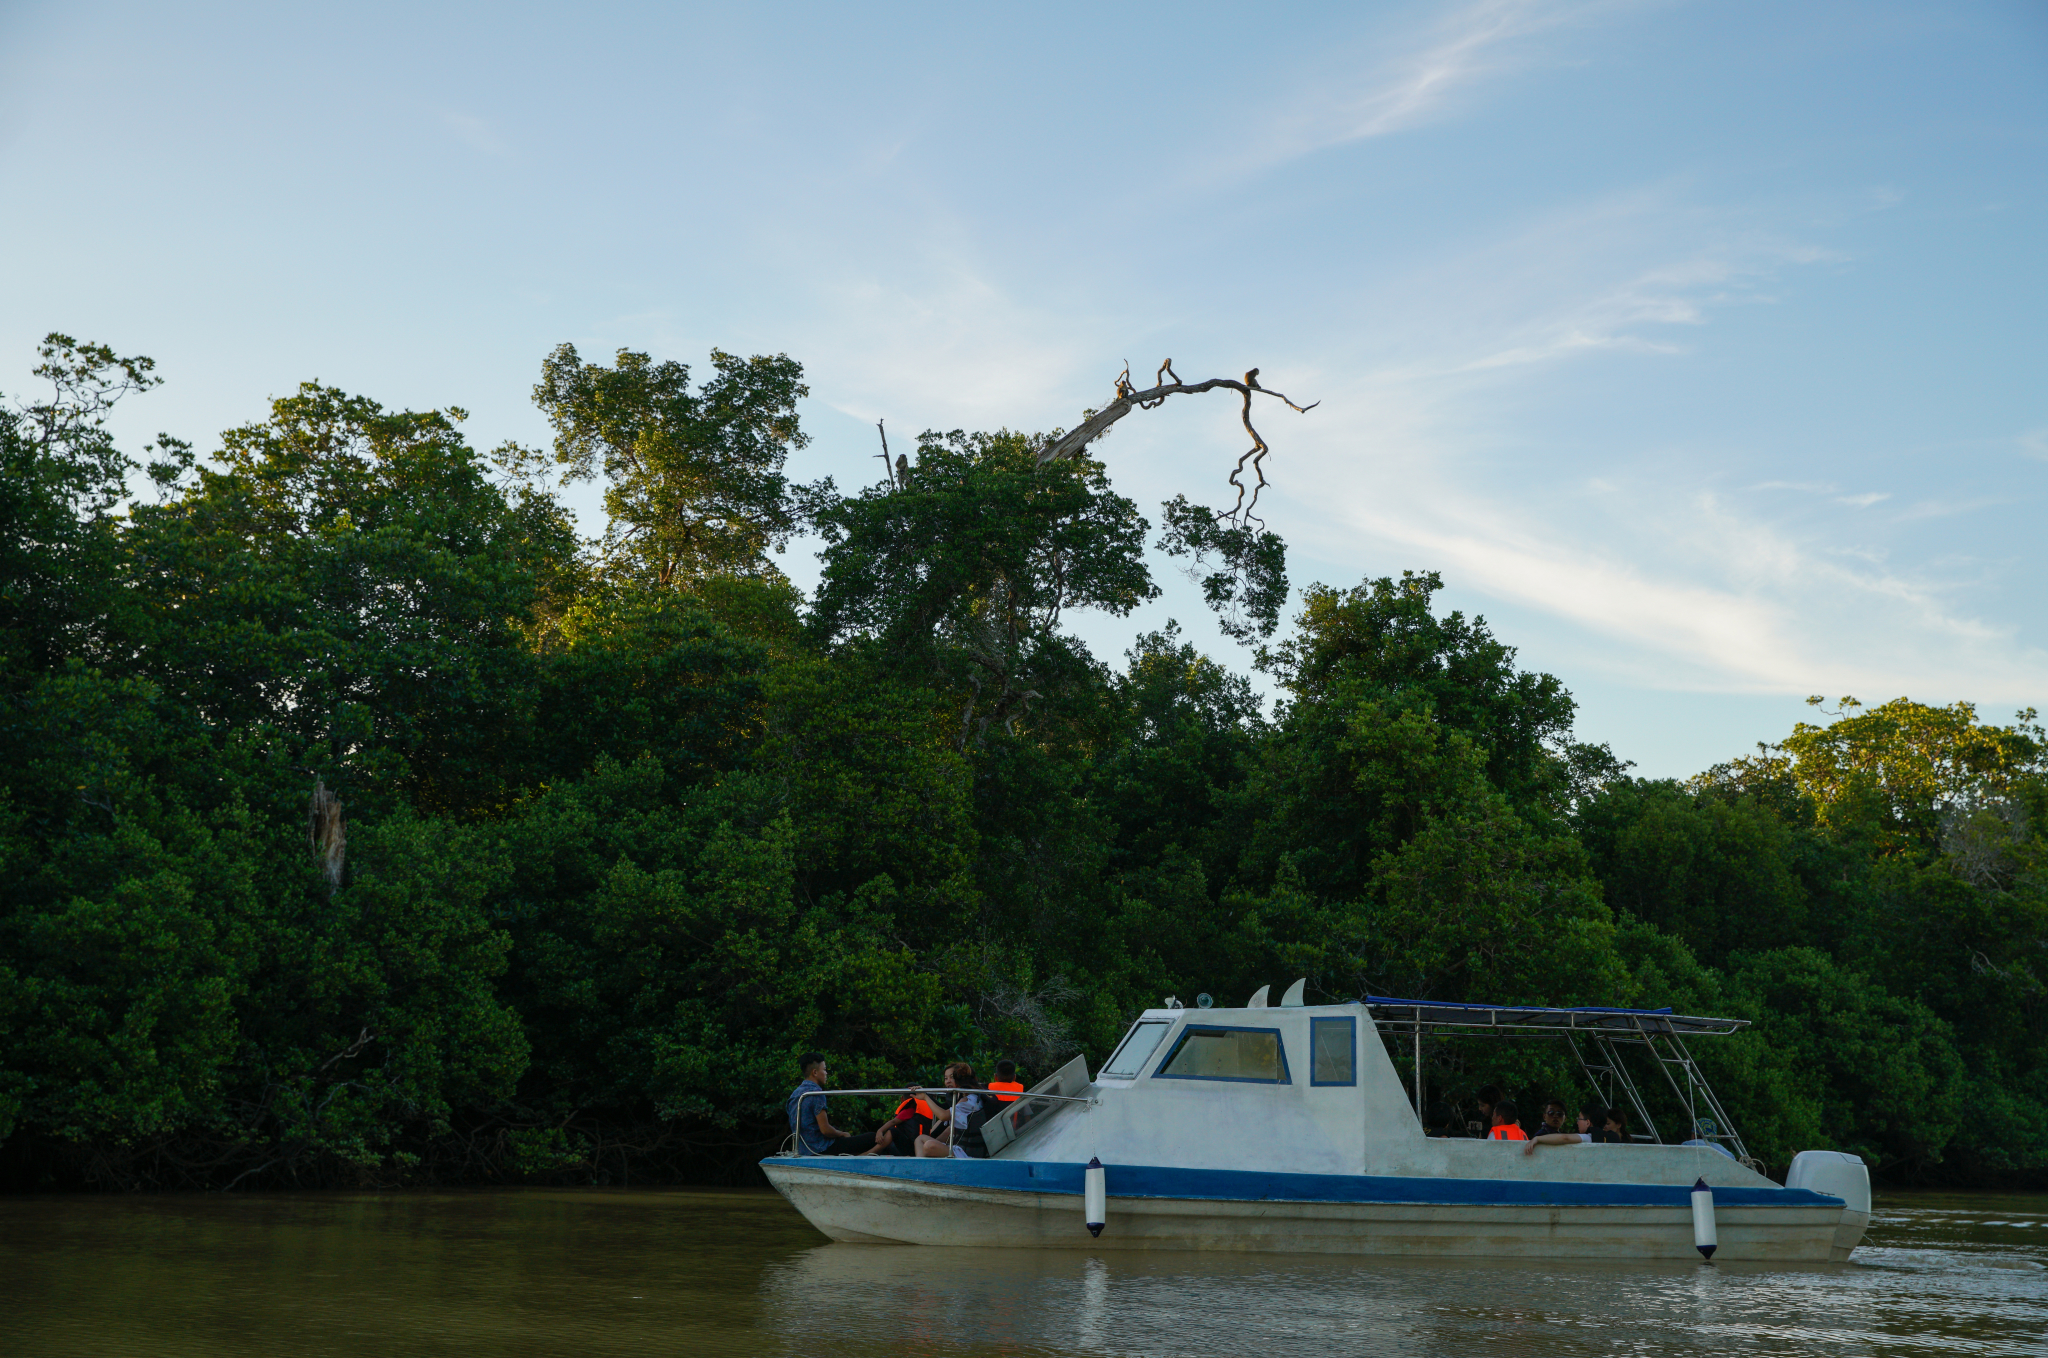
{"x": 965, "y": 564}
{"x": 61, "y": 481}
{"x": 1383, "y": 640}
{"x": 351, "y": 577}
{"x": 694, "y": 482}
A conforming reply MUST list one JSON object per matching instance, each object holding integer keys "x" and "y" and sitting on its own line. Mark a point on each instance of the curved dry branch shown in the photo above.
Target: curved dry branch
{"x": 1129, "y": 398}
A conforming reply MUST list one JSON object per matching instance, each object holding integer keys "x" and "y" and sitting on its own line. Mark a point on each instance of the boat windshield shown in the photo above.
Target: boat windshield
{"x": 1137, "y": 1048}
{"x": 1227, "y": 1054}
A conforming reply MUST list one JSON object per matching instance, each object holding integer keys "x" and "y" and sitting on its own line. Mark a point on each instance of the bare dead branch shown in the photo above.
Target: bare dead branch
{"x": 1129, "y": 398}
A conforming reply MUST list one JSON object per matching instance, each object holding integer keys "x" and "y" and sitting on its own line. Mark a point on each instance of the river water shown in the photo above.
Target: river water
{"x": 597, "y": 1272}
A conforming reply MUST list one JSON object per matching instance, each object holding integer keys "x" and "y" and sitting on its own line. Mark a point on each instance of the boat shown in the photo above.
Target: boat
{"x": 1288, "y": 1128}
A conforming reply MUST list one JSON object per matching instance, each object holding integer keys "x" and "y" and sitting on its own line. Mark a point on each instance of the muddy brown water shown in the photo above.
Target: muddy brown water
{"x": 597, "y": 1272}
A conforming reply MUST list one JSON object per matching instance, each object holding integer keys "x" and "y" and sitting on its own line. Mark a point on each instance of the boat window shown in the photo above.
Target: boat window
{"x": 1138, "y": 1045}
{"x": 1332, "y": 1051}
{"x": 1205, "y": 1053}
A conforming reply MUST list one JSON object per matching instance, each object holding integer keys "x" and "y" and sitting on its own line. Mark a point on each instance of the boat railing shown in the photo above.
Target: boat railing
{"x": 950, "y": 1093}
{"x": 1011, "y": 1117}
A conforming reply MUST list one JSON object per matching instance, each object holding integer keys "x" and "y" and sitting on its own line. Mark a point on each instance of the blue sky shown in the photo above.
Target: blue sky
{"x": 1699, "y": 346}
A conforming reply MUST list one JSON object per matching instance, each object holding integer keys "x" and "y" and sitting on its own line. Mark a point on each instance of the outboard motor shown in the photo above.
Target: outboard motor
{"x": 1842, "y": 1175}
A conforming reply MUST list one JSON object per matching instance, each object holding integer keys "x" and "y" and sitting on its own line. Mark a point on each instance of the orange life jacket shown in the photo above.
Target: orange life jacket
{"x": 916, "y": 1107}
{"x": 1507, "y": 1131}
{"x": 1006, "y": 1084}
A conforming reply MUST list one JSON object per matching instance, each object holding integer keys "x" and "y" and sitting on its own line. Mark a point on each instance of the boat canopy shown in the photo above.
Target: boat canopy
{"x": 1437, "y": 1015}
{"x": 1595, "y": 1035}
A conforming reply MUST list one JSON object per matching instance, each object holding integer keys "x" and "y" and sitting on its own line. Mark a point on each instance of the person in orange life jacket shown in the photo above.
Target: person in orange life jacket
{"x": 1006, "y": 1078}
{"x": 1505, "y": 1128}
{"x": 966, "y": 1111}
{"x": 815, "y": 1134}
{"x": 913, "y": 1118}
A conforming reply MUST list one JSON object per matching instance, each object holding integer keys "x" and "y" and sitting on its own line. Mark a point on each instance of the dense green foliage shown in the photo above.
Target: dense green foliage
{"x": 632, "y": 822}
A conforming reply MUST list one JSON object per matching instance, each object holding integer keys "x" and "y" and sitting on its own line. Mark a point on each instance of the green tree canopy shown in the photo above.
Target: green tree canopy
{"x": 626, "y": 825}
{"x": 693, "y": 479}
{"x": 963, "y": 570}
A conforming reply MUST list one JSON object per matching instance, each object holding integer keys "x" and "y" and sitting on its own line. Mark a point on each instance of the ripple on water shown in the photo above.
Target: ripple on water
{"x": 595, "y": 1273}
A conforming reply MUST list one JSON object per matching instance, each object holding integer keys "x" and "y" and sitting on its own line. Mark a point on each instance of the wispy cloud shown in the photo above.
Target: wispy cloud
{"x": 1680, "y": 293}
{"x": 1565, "y": 286}
{"x": 1412, "y": 87}
{"x": 1943, "y": 509}
{"x": 1428, "y": 69}
{"x": 1691, "y": 593}
{"x": 475, "y": 133}
{"x": 949, "y": 344}
{"x": 1671, "y": 583}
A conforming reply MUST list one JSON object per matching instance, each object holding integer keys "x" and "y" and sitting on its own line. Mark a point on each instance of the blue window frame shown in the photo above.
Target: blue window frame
{"x": 1255, "y": 1056}
{"x": 1333, "y": 1051}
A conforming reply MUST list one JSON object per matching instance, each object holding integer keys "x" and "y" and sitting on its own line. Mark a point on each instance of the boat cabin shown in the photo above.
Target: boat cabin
{"x": 1311, "y": 1089}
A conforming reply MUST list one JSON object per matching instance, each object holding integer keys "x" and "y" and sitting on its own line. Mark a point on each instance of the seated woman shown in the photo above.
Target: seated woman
{"x": 962, "y": 1139}
{"x": 1613, "y": 1132}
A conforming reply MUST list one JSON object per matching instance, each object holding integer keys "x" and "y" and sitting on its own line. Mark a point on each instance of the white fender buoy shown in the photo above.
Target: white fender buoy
{"x": 1258, "y": 999}
{"x": 1095, "y": 1197}
{"x": 1293, "y": 999}
{"x": 1703, "y": 1219}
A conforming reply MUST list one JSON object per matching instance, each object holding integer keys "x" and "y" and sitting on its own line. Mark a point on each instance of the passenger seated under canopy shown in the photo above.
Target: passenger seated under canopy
{"x": 1614, "y": 1132}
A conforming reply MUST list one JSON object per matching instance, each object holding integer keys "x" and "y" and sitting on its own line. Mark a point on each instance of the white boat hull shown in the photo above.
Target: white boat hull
{"x": 944, "y": 1205}
{"x": 1321, "y": 1153}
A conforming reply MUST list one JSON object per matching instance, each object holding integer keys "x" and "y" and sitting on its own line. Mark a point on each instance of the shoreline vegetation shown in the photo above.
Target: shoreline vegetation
{"x": 363, "y": 826}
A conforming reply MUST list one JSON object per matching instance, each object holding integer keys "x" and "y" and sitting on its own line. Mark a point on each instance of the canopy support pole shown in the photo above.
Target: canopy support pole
{"x": 1418, "y": 1066}
{"x": 1618, "y": 1084}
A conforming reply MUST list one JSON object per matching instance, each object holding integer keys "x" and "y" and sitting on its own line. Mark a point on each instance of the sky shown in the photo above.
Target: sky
{"x": 1698, "y": 346}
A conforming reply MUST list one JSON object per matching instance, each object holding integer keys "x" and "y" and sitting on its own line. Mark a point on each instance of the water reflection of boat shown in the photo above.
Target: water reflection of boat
{"x": 1288, "y": 1129}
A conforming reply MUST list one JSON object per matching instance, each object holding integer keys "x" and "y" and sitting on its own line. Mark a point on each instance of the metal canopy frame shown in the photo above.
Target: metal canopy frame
{"x": 1603, "y": 1032}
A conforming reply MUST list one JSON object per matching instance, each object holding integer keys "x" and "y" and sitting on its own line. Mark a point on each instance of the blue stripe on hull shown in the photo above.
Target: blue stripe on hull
{"x": 1237, "y": 1185}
